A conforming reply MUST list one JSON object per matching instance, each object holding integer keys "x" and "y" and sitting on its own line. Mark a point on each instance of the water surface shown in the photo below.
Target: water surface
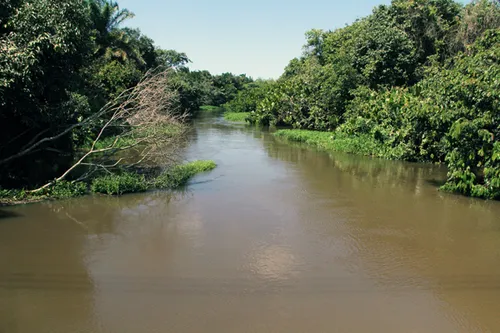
{"x": 278, "y": 238}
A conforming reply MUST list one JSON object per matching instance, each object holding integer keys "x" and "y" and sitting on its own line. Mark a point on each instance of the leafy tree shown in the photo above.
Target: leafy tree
{"x": 451, "y": 116}
{"x": 46, "y": 44}
{"x": 111, "y": 41}
{"x": 227, "y": 86}
{"x": 385, "y": 55}
{"x": 314, "y": 43}
{"x": 248, "y": 98}
{"x": 428, "y": 23}
{"x": 6, "y": 10}
{"x": 60, "y": 63}
{"x": 418, "y": 78}
{"x": 477, "y": 17}
{"x": 142, "y": 48}
{"x": 171, "y": 58}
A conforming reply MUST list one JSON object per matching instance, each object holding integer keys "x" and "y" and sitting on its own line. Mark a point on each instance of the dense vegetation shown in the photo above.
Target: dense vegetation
{"x": 418, "y": 80}
{"x": 236, "y": 116}
{"x": 65, "y": 67}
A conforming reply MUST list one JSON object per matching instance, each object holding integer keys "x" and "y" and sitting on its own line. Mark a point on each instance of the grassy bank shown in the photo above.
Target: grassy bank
{"x": 116, "y": 184}
{"x": 236, "y": 116}
{"x": 209, "y": 108}
{"x": 331, "y": 141}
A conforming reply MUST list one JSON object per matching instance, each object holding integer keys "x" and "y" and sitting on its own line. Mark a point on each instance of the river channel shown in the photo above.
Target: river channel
{"x": 278, "y": 238}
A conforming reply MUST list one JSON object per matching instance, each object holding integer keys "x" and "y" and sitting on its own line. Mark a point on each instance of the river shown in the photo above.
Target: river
{"x": 278, "y": 238}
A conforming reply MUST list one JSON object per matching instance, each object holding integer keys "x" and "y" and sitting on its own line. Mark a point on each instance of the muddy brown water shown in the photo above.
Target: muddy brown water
{"x": 279, "y": 238}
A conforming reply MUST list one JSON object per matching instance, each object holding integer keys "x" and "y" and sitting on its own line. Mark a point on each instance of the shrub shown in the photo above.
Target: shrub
{"x": 332, "y": 141}
{"x": 65, "y": 189}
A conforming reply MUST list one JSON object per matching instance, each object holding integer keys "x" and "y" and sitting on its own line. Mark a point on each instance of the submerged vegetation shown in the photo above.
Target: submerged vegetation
{"x": 415, "y": 80}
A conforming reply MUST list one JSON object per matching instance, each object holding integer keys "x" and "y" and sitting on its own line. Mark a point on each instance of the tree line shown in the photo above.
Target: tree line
{"x": 67, "y": 71}
{"x": 419, "y": 79}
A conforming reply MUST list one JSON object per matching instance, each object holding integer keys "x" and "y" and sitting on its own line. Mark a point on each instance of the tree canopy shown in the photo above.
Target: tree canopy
{"x": 420, "y": 77}
{"x": 61, "y": 62}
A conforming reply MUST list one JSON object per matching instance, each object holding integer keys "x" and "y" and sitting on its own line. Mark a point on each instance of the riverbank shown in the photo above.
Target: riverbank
{"x": 210, "y": 108}
{"x": 236, "y": 116}
{"x": 115, "y": 184}
{"x": 331, "y": 141}
{"x": 367, "y": 146}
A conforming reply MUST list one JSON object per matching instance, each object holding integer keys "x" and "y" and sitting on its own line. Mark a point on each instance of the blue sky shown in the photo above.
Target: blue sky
{"x": 255, "y": 37}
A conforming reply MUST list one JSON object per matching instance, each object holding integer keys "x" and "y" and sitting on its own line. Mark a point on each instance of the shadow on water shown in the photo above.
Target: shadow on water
{"x": 374, "y": 171}
{"x": 436, "y": 182}
{"x": 5, "y": 214}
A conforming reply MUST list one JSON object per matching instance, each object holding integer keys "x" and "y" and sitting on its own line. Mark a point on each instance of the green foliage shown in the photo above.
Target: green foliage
{"x": 115, "y": 76}
{"x": 466, "y": 92}
{"x": 313, "y": 99}
{"x": 209, "y": 108}
{"x": 171, "y": 58}
{"x": 476, "y": 18}
{"x": 236, "y": 116}
{"x": 247, "y": 99}
{"x": 451, "y": 116}
{"x": 43, "y": 43}
{"x": 417, "y": 80}
{"x": 60, "y": 63}
{"x": 65, "y": 189}
{"x": 227, "y": 86}
{"x": 388, "y": 48}
{"x": 118, "y": 184}
{"x": 397, "y": 119}
{"x": 430, "y": 24}
{"x": 58, "y": 190}
{"x": 179, "y": 175}
{"x": 385, "y": 54}
{"x": 331, "y": 141}
{"x": 197, "y": 88}
{"x": 111, "y": 41}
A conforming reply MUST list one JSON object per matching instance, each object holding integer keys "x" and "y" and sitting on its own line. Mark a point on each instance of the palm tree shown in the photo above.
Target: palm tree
{"x": 112, "y": 41}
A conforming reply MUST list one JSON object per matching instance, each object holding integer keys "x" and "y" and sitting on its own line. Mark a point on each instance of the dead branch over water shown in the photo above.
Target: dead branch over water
{"x": 144, "y": 123}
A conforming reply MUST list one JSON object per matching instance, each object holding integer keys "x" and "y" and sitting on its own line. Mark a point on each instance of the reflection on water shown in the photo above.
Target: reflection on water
{"x": 279, "y": 238}
{"x": 272, "y": 262}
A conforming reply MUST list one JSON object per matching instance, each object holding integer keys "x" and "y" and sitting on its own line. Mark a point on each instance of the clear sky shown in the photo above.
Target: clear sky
{"x": 255, "y": 37}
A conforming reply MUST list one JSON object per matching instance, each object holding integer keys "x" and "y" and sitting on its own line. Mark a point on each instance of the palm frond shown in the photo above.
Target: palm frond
{"x": 120, "y": 16}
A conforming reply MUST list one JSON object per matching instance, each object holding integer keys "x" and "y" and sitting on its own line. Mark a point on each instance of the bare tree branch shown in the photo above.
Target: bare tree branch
{"x": 148, "y": 124}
